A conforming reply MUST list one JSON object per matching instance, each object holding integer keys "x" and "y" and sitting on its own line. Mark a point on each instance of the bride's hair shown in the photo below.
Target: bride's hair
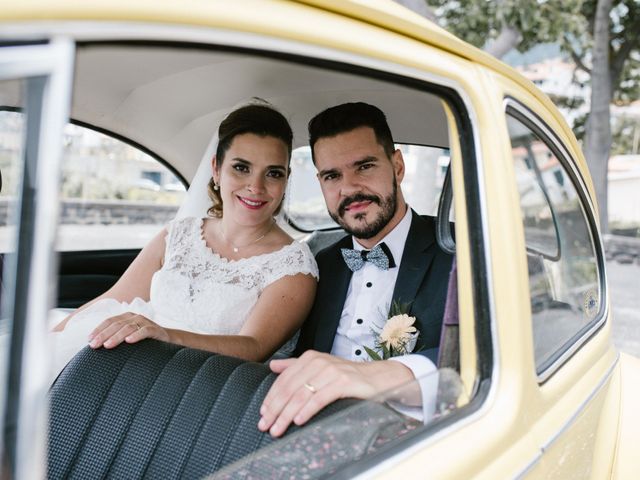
{"x": 258, "y": 118}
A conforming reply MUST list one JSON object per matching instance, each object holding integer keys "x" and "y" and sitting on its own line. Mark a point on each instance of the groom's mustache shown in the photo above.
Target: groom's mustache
{"x": 358, "y": 197}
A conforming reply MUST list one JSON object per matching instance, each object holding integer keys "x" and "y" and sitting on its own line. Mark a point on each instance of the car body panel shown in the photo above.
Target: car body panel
{"x": 624, "y": 409}
{"x": 468, "y": 352}
{"x": 270, "y": 17}
{"x": 314, "y": 40}
{"x": 285, "y": 19}
{"x": 563, "y": 395}
{"x": 576, "y": 406}
{"x": 562, "y": 426}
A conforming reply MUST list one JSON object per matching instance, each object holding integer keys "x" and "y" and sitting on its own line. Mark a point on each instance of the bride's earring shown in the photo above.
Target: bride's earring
{"x": 216, "y": 187}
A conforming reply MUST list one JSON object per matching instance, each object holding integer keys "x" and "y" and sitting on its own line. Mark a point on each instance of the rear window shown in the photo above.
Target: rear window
{"x": 425, "y": 171}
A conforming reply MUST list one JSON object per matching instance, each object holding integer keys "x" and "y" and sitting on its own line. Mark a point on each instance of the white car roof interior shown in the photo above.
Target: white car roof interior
{"x": 171, "y": 99}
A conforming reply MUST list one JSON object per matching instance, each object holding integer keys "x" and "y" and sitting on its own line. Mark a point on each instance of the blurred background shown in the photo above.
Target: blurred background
{"x": 585, "y": 55}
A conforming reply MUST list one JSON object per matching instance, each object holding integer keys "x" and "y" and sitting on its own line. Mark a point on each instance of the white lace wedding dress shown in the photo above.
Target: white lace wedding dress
{"x": 195, "y": 290}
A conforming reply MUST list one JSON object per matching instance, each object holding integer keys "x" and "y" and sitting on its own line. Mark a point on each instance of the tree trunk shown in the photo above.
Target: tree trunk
{"x": 508, "y": 39}
{"x": 597, "y": 143}
{"x": 420, "y": 7}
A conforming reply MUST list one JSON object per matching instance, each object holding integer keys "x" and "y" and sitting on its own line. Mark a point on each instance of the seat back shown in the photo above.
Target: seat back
{"x": 321, "y": 239}
{"x": 155, "y": 410}
{"x": 449, "y": 350}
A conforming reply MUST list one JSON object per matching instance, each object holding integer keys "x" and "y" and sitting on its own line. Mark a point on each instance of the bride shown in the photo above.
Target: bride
{"x": 234, "y": 282}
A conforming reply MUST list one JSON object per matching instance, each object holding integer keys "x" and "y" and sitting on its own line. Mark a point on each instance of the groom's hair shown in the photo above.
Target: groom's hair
{"x": 349, "y": 116}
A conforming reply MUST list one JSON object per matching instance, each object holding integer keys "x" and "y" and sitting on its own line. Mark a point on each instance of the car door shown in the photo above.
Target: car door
{"x": 37, "y": 77}
{"x": 573, "y": 369}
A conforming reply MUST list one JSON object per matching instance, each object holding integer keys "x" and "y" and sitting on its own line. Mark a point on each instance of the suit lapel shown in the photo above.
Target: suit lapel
{"x": 336, "y": 277}
{"x": 416, "y": 259}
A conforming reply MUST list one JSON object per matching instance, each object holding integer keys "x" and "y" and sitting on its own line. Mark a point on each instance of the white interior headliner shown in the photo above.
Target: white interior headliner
{"x": 171, "y": 100}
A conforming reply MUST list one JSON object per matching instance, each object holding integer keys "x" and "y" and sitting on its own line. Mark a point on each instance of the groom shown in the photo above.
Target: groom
{"x": 360, "y": 172}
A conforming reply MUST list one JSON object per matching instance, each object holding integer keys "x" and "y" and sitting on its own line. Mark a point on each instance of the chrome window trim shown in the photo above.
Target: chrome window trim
{"x": 552, "y": 439}
{"x": 387, "y": 464}
{"x": 110, "y": 31}
{"x": 588, "y": 209}
{"x": 27, "y": 61}
{"x": 53, "y": 64}
{"x": 569, "y": 422}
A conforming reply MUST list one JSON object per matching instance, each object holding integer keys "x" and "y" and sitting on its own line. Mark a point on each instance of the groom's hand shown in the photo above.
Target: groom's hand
{"x": 308, "y": 384}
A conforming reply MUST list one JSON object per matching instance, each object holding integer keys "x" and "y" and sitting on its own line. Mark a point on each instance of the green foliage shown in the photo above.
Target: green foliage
{"x": 538, "y": 21}
{"x": 626, "y": 136}
{"x": 399, "y": 308}
{"x": 580, "y": 126}
{"x": 372, "y": 353}
{"x": 567, "y": 22}
{"x": 624, "y": 51}
{"x": 629, "y": 87}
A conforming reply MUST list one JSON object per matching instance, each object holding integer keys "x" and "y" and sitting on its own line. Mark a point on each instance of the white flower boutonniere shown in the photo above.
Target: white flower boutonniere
{"x": 397, "y": 337}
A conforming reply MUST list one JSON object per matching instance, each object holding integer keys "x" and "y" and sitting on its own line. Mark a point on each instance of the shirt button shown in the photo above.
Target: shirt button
{"x": 358, "y": 352}
{"x": 359, "y": 321}
{"x": 369, "y": 284}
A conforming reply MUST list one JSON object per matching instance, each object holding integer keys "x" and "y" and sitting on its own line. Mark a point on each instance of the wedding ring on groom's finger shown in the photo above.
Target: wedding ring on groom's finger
{"x": 138, "y": 327}
{"x": 310, "y": 387}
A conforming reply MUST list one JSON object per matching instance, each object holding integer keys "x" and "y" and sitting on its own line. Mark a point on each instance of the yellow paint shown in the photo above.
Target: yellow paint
{"x": 506, "y": 434}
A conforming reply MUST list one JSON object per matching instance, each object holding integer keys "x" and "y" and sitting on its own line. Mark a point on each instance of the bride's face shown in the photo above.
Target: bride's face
{"x": 252, "y": 178}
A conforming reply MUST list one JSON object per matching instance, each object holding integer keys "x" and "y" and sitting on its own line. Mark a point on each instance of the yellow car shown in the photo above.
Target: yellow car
{"x": 530, "y": 384}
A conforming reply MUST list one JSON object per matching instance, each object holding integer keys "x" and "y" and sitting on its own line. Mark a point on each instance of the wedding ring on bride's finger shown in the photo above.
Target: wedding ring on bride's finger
{"x": 310, "y": 387}
{"x": 138, "y": 327}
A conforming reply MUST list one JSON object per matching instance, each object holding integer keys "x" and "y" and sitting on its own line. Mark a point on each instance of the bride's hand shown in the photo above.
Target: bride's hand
{"x": 129, "y": 328}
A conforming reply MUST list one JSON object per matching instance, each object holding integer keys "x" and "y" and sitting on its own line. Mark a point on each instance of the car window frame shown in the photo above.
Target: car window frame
{"x": 129, "y": 143}
{"x": 483, "y": 300}
{"x": 121, "y": 138}
{"x": 459, "y": 102}
{"x": 333, "y": 228}
{"x": 539, "y": 127}
{"x": 47, "y": 67}
{"x": 455, "y": 96}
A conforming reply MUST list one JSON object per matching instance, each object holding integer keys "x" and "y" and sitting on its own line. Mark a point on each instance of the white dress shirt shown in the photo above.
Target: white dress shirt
{"x": 366, "y": 310}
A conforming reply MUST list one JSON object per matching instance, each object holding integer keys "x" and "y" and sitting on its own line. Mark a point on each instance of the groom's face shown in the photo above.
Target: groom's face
{"x": 360, "y": 183}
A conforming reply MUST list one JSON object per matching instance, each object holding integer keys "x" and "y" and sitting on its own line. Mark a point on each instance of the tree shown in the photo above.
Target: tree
{"x": 611, "y": 44}
{"x": 498, "y": 26}
{"x": 626, "y": 136}
{"x": 420, "y": 7}
{"x": 601, "y": 36}
{"x": 597, "y": 142}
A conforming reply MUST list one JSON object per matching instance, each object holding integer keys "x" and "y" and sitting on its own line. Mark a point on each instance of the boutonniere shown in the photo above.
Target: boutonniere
{"x": 397, "y": 337}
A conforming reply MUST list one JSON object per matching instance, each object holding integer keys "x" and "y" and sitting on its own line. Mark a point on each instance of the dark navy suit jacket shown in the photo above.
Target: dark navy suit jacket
{"x": 421, "y": 282}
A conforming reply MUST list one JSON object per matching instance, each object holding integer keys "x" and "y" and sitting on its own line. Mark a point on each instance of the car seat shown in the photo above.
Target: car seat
{"x": 156, "y": 410}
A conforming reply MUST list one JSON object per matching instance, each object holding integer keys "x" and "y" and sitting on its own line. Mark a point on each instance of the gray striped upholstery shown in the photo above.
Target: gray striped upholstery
{"x": 155, "y": 410}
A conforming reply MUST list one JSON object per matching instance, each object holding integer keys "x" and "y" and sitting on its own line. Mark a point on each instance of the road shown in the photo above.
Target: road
{"x": 624, "y": 283}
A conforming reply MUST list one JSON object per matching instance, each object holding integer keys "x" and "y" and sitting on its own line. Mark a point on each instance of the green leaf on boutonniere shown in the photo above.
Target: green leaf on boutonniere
{"x": 398, "y": 308}
{"x": 372, "y": 353}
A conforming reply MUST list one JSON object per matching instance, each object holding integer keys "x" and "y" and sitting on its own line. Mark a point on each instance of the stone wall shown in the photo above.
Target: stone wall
{"x": 105, "y": 212}
{"x": 622, "y": 249}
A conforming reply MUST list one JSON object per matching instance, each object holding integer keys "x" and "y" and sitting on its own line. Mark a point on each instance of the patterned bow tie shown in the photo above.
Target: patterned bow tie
{"x": 380, "y": 256}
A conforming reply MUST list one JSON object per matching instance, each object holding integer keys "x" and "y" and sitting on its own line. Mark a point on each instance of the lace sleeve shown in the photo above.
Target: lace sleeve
{"x": 177, "y": 230}
{"x": 167, "y": 238}
{"x": 294, "y": 260}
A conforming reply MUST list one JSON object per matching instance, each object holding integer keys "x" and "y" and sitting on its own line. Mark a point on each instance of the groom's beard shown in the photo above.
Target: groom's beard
{"x": 388, "y": 208}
